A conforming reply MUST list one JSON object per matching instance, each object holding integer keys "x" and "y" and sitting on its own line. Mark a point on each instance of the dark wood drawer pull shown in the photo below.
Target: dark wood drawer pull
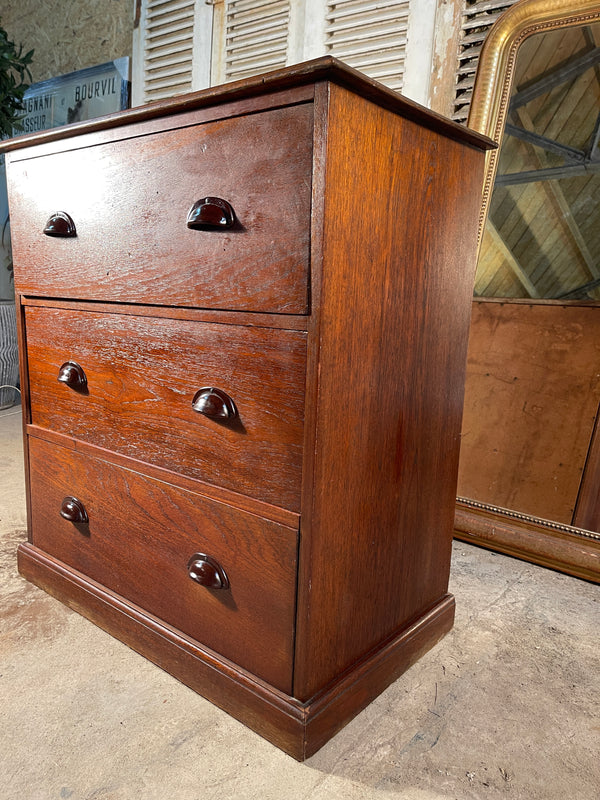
{"x": 60, "y": 224}
{"x": 214, "y": 403}
{"x": 207, "y": 572}
{"x": 73, "y": 375}
{"x": 210, "y": 212}
{"x": 73, "y": 510}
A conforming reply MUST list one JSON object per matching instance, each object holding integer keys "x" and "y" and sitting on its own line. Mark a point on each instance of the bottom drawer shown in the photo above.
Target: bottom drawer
{"x": 139, "y": 538}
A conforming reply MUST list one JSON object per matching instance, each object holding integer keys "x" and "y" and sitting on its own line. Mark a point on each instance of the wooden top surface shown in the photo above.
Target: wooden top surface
{"x": 326, "y": 68}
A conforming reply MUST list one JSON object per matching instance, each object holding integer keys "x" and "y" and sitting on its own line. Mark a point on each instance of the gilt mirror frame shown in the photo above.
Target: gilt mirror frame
{"x": 563, "y": 547}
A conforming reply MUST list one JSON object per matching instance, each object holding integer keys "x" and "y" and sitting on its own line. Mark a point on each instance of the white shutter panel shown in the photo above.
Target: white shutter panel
{"x": 478, "y": 18}
{"x": 172, "y": 44}
{"x": 370, "y": 36}
{"x": 256, "y": 38}
{"x": 168, "y": 48}
{"x": 174, "y": 48}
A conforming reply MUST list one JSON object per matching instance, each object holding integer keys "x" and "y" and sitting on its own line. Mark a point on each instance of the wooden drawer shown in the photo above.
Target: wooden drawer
{"x": 130, "y": 199}
{"x": 142, "y": 375}
{"x": 138, "y": 541}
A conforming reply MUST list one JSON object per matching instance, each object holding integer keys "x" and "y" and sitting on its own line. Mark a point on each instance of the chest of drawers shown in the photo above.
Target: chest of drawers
{"x": 243, "y": 320}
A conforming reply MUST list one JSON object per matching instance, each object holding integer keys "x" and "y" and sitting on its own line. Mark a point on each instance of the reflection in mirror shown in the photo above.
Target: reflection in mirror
{"x": 529, "y": 477}
{"x": 542, "y": 235}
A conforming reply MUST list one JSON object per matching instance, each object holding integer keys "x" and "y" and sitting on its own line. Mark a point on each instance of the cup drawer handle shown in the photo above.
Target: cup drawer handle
{"x": 73, "y": 510}
{"x": 214, "y": 404}
{"x": 60, "y": 224}
{"x": 206, "y": 571}
{"x": 211, "y": 212}
{"x": 72, "y": 374}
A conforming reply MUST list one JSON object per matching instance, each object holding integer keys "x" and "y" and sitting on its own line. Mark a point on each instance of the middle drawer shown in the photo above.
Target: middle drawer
{"x": 141, "y": 376}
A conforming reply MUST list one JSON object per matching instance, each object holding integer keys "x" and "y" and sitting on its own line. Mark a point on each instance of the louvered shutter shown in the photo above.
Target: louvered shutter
{"x": 172, "y": 55}
{"x": 256, "y": 38}
{"x": 175, "y": 50}
{"x": 167, "y": 43}
{"x": 370, "y": 36}
{"x": 478, "y": 18}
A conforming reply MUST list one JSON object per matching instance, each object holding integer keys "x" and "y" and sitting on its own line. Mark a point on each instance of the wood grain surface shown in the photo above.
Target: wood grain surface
{"x": 140, "y": 536}
{"x": 348, "y": 382}
{"x": 297, "y": 78}
{"x": 142, "y": 374}
{"x": 397, "y": 265}
{"x": 587, "y": 509}
{"x": 130, "y": 199}
{"x": 532, "y": 396}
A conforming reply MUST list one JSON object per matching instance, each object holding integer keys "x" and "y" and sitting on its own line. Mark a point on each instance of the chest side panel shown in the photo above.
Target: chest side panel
{"x": 401, "y": 205}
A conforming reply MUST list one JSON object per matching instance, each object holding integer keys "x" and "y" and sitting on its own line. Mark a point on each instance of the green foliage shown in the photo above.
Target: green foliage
{"x": 14, "y": 77}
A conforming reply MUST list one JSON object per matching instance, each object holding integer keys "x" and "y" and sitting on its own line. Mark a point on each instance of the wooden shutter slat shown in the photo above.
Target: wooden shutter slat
{"x": 256, "y": 37}
{"x": 168, "y": 47}
{"x": 370, "y": 36}
{"x": 477, "y": 19}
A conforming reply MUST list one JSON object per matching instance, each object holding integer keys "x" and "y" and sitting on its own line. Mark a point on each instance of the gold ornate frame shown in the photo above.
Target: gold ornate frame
{"x": 495, "y": 70}
{"x": 562, "y": 547}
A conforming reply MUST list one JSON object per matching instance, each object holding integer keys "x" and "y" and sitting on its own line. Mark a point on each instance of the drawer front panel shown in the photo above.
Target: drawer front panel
{"x": 139, "y": 538}
{"x": 129, "y": 201}
{"x": 141, "y": 377}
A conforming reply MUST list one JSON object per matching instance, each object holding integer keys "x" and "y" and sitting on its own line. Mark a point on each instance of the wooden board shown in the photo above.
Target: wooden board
{"x": 394, "y": 300}
{"x": 532, "y": 394}
{"x": 138, "y": 542}
{"x": 142, "y": 375}
{"x": 137, "y": 248}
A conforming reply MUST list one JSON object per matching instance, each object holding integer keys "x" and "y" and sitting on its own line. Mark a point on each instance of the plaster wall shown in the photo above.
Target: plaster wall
{"x": 68, "y": 35}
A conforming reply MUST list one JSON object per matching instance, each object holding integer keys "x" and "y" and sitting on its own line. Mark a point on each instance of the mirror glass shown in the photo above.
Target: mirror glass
{"x": 533, "y": 385}
{"x": 542, "y": 235}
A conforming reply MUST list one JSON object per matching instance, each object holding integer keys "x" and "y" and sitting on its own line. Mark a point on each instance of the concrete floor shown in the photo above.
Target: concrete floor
{"x": 507, "y": 706}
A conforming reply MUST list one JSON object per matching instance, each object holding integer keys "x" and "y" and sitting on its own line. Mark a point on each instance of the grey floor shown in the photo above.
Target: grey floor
{"x": 507, "y": 706}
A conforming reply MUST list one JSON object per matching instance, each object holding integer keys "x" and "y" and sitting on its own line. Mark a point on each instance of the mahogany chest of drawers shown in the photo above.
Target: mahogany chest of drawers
{"x": 243, "y": 319}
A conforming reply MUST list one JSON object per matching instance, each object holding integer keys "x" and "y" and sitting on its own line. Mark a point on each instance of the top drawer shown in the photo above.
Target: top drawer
{"x": 130, "y": 200}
